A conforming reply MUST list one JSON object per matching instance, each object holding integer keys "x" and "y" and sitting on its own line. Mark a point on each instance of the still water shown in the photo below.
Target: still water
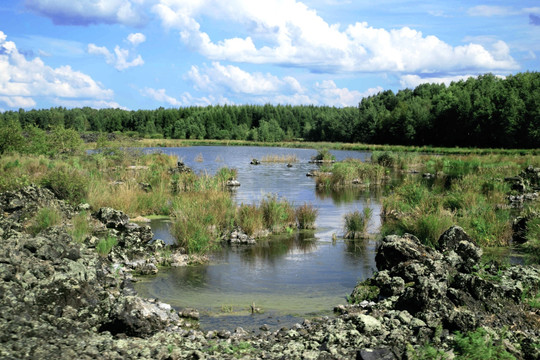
{"x": 290, "y": 276}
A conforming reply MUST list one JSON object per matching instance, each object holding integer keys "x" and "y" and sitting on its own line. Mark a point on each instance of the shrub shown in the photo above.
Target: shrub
{"x": 44, "y": 218}
{"x": 306, "y": 216}
{"x": 67, "y": 184}
{"x": 105, "y": 245}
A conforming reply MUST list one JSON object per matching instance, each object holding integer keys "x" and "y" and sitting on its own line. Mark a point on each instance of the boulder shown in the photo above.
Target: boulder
{"x": 113, "y": 219}
{"x": 395, "y": 249}
{"x": 134, "y": 316}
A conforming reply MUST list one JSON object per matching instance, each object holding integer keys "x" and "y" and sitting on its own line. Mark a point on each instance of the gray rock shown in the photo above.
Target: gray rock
{"x": 114, "y": 219}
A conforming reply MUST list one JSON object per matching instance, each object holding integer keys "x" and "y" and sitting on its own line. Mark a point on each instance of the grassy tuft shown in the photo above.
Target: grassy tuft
{"x": 105, "y": 245}
{"x": 306, "y": 216}
{"x": 356, "y": 223}
{"x": 44, "y": 219}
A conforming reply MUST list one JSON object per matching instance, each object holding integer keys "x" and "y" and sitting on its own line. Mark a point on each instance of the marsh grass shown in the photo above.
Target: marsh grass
{"x": 324, "y": 155}
{"x": 199, "y": 158}
{"x": 45, "y": 218}
{"x": 350, "y": 172}
{"x": 200, "y": 218}
{"x": 274, "y": 158}
{"x": 249, "y": 218}
{"x": 278, "y": 214}
{"x": 306, "y": 215}
{"x": 357, "y": 223}
{"x": 473, "y": 197}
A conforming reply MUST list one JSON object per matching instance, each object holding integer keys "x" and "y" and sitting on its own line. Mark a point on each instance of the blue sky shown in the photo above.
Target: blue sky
{"x": 143, "y": 54}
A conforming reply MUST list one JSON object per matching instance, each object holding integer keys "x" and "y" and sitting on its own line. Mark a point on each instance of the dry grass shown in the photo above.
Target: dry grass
{"x": 274, "y": 158}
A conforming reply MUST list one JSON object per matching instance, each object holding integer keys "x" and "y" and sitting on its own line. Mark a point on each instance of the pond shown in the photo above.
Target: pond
{"x": 289, "y": 277}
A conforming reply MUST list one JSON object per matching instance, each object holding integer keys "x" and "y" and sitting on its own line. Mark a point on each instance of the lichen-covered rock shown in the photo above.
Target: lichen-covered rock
{"x": 113, "y": 219}
{"x": 395, "y": 249}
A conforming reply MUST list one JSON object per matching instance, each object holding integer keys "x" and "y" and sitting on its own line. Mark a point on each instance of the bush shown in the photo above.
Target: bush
{"x": 66, "y": 184}
{"x": 44, "y": 218}
{"x": 306, "y": 216}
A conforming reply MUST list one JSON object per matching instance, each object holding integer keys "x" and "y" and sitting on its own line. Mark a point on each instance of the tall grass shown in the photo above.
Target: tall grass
{"x": 357, "y": 223}
{"x": 105, "y": 245}
{"x": 350, "y": 172}
{"x": 81, "y": 227}
{"x": 306, "y": 215}
{"x": 200, "y": 218}
{"x": 277, "y": 213}
{"x": 273, "y": 158}
{"x": 249, "y": 218}
{"x": 44, "y": 219}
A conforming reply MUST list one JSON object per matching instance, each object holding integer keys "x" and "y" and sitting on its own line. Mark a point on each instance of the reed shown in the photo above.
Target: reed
{"x": 274, "y": 158}
{"x": 357, "y": 223}
{"x": 306, "y": 215}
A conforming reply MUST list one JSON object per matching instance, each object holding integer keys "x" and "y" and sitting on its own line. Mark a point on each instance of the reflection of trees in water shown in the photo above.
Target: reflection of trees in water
{"x": 350, "y": 194}
{"x": 359, "y": 251}
{"x": 277, "y": 246}
{"x": 192, "y": 276}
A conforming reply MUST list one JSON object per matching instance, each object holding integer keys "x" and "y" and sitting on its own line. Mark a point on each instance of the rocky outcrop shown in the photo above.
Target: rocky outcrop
{"x": 61, "y": 300}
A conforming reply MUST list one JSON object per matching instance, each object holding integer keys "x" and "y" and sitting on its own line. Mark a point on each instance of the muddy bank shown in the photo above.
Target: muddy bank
{"x": 61, "y": 299}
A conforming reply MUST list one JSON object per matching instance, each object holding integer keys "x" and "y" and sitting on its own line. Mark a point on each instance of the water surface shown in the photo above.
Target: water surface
{"x": 288, "y": 277}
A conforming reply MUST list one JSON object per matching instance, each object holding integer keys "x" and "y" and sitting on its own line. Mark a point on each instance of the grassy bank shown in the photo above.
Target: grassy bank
{"x": 331, "y": 146}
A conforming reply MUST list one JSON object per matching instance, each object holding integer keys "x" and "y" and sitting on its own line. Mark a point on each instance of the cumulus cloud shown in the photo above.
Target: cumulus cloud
{"x": 291, "y": 34}
{"x": 85, "y": 12}
{"x": 334, "y": 96}
{"x": 232, "y": 78}
{"x": 119, "y": 59}
{"x": 136, "y": 38}
{"x": 412, "y": 81}
{"x": 160, "y": 96}
{"x": 260, "y": 88}
{"x": 22, "y": 80}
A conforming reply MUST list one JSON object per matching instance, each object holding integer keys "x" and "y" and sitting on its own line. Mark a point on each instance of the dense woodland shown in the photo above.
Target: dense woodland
{"x": 480, "y": 112}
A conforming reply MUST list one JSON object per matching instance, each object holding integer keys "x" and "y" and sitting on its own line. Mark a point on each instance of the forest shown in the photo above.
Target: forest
{"x": 487, "y": 111}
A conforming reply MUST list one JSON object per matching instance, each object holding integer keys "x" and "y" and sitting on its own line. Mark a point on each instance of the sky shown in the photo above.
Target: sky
{"x": 144, "y": 54}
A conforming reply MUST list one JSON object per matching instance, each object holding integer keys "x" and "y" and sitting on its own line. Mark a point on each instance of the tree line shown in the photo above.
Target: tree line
{"x": 486, "y": 111}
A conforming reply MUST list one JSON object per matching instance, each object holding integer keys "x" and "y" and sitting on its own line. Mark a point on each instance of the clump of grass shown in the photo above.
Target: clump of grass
{"x": 273, "y": 158}
{"x": 249, "y": 218}
{"x": 306, "y": 215}
{"x": 66, "y": 183}
{"x": 44, "y": 219}
{"x": 81, "y": 227}
{"x": 277, "y": 213}
{"x": 323, "y": 155}
{"x": 105, "y": 245}
{"x": 356, "y": 223}
{"x": 199, "y": 158}
{"x": 200, "y": 218}
{"x": 350, "y": 172}
{"x": 479, "y": 345}
{"x": 224, "y": 174}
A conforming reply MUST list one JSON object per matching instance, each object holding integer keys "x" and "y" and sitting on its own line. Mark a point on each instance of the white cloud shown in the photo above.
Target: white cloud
{"x": 232, "y": 78}
{"x": 160, "y": 96}
{"x": 136, "y": 38}
{"x": 334, "y": 96}
{"x": 22, "y": 80}
{"x": 291, "y": 34}
{"x": 85, "y": 12}
{"x": 260, "y": 88}
{"x": 120, "y": 57}
{"x": 488, "y": 11}
{"x": 412, "y": 81}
